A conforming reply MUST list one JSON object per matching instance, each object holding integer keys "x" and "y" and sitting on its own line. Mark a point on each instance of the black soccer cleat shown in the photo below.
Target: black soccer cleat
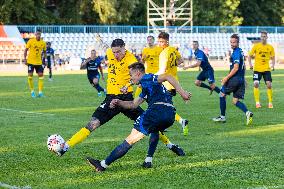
{"x": 177, "y": 150}
{"x": 147, "y": 164}
{"x": 96, "y": 164}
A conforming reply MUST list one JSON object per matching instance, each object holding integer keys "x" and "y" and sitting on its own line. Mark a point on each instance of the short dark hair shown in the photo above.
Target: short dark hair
{"x": 38, "y": 30}
{"x": 265, "y": 32}
{"x": 164, "y": 35}
{"x": 150, "y": 36}
{"x": 117, "y": 43}
{"x": 195, "y": 42}
{"x": 137, "y": 66}
{"x": 235, "y": 36}
{"x": 48, "y": 43}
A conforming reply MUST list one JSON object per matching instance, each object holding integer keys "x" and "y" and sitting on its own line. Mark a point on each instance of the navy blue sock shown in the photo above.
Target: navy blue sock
{"x": 203, "y": 85}
{"x": 223, "y": 105}
{"x": 242, "y": 106}
{"x": 217, "y": 89}
{"x": 118, "y": 152}
{"x": 153, "y": 142}
{"x": 98, "y": 87}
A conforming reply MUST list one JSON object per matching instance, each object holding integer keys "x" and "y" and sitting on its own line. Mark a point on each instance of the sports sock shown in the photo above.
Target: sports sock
{"x": 217, "y": 89}
{"x": 40, "y": 84}
{"x": 242, "y": 106}
{"x": 137, "y": 92}
{"x": 50, "y": 73}
{"x": 178, "y": 118}
{"x": 78, "y": 137}
{"x": 98, "y": 87}
{"x": 203, "y": 85}
{"x": 31, "y": 83}
{"x": 269, "y": 95}
{"x": 118, "y": 152}
{"x": 256, "y": 94}
{"x": 164, "y": 138}
{"x": 223, "y": 106}
{"x": 153, "y": 142}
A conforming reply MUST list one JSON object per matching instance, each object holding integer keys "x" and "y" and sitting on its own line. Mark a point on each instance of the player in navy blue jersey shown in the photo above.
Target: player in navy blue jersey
{"x": 49, "y": 59}
{"x": 159, "y": 115}
{"x": 234, "y": 82}
{"x": 93, "y": 65}
{"x": 207, "y": 72}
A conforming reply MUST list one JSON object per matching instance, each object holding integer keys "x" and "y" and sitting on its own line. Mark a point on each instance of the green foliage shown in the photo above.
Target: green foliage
{"x": 229, "y": 155}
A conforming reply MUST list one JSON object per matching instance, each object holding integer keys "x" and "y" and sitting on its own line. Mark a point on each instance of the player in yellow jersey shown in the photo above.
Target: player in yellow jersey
{"x": 263, "y": 53}
{"x": 118, "y": 76}
{"x": 36, "y": 46}
{"x": 169, "y": 59}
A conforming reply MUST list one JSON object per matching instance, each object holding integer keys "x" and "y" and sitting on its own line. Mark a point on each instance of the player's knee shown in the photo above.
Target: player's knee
{"x": 40, "y": 74}
{"x": 268, "y": 84}
{"x": 256, "y": 84}
{"x": 93, "y": 124}
{"x": 197, "y": 83}
{"x": 235, "y": 101}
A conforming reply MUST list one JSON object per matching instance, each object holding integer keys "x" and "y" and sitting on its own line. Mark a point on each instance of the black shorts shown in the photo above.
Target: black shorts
{"x": 206, "y": 74}
{"x": 156, "y": 118}
{"x": 235, "y": 86}
{"x": 258, "y": 75}
{"x": 104, "y": 113}
{"x": 91, "y": 77}
{"x": 38, "y": 68}
{"x": 173, "y": 92}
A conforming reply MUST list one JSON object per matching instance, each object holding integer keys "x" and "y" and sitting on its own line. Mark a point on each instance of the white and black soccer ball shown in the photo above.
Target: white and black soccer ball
{"x": 55, "y": 143}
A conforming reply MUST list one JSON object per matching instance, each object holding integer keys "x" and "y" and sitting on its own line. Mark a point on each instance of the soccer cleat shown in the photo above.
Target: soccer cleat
{"x": 249, "y": 117}
{"x": 184, "y": 125}
{"x": 270, "y": 105}
{"x": 257, "y": 105}
{"x": 33, "y": 94}
{"x": 50, "y": 79}
{"x": 147, "y": 164}
{"x": 40, "y": 94}
{"x": 177, "y": 150}
{"x": 219, "y": 119}
{"x": 96, "y": 164}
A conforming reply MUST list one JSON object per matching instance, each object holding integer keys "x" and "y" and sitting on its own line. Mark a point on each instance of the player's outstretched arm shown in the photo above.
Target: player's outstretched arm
{"x": 184, "y": 94}
{"x": 86, "y": 62}
{"x": 197, "y": 64}
{"x": 126, "y": 104}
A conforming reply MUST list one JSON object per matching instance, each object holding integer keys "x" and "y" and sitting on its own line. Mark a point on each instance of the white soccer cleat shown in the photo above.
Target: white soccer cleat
{"x": 249, "y": 117}
{"x": 220, "y": 119}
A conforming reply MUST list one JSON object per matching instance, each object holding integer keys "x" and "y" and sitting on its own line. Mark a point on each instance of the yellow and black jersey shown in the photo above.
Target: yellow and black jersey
{"x": 151, "y": 59}
{"x": 118, "y": 72}
{"x": 35, "y": 51}
{"x": 262, "y": 54}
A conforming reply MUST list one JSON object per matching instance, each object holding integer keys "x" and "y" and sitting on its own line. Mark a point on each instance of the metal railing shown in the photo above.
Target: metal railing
{"x": 143, "y": 29}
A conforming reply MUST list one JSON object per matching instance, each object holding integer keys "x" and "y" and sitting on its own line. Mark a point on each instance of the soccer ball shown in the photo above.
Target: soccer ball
{"x": 55, "y": 143}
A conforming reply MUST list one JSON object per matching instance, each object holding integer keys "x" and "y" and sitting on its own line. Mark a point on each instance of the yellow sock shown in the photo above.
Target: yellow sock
{"x": 256, "y": 94}
{"x": 31, "y": 83}
{"x": 269, "y": 95}
{"x": 78, "y": 137}
{"x": 137, "y": 92}
{"x": 40, "y": 84}
{"x": 164, "y": 138}
{"x": 177, "y": 117}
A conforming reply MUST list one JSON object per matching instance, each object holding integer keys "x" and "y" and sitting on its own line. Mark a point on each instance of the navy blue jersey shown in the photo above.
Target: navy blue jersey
{"x": 237, "y": 57}
{"x": 200, "y": 55}
{"x": 49, "y": 53}
{"x": 93, "y": 65}
{"x": 153, "y": 91}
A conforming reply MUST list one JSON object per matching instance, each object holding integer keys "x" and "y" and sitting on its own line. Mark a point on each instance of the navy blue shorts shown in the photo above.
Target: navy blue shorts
{"x": 206, "y": 74}
{"x": 38, "y": 68}
{"x": 156, "y": 118}
{"x": 235, "y": 86}
{"x": 91, "y": 77}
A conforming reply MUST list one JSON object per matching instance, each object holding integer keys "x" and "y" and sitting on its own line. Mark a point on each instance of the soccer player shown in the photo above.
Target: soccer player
{"x": 92, "y": 64}
{"x": 169, "y": 59}
{"x": 49, "y": 59}
{"x": 263, "y": 53}
{"x": 118, "y": 76}
{"x": 159, "y": 115}
{"x": 234, "y": 82}
{"x": 35, "y": 46}
{"x": 207, "y": 70}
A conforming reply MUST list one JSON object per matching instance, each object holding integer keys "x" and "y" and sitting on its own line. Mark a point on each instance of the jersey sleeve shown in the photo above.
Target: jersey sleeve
{"x": 199, "y": 56}
{"x": 44, "y": 46}
{"x": 178, "y": 54}
{"x": 29, "y": 44}
{"x": 252, "y": 52}
{"x": 236, "y": 58}
{"x": 132, "y": 59}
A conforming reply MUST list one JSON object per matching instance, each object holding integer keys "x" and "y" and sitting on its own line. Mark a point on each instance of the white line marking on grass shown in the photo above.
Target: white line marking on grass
{"x": 13, "y": 187}
{"x": 266, "y": 187}
{"x": 27, "y": 112}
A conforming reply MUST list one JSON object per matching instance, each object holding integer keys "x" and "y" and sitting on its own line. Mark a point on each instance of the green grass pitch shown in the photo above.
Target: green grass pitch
{"x": 229, "y": 155}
